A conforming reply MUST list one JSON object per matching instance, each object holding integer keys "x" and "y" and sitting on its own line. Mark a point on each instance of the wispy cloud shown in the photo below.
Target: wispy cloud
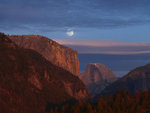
{"x": 98, "y": 42}
{"x": 105, "y": 46}
{"x": 99, "y": 18}
{"x": 77, "y": 13}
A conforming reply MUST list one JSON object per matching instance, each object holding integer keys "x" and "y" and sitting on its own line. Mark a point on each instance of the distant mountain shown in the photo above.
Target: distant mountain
{"x": 28, "y": 82}
{"x": 96, "y": 77}
{"x": 57, "y": 54}
{"x": 138, "y": 79}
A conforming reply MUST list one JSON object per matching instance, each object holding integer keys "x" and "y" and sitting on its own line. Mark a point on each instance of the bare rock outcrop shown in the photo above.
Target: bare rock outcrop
{"x": 29, "y": 82}
{"x": 96, "y": 77}
{"x": 57, "y": 54}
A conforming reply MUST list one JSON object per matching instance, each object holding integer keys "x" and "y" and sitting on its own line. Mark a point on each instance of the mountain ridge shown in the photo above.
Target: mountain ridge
{"x": 28, "y": 82}
{"x": 137, "y": 79}
{"x": 59, "y": 55}
{"x": 96, "y": 77}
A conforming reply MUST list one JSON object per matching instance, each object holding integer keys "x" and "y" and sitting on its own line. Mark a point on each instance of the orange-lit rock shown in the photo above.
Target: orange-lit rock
{"x": 29, "y": 82}
{"x": 57, "y": 54}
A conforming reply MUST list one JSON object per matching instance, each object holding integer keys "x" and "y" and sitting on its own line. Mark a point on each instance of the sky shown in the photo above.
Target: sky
{"x": 121, "y": 20}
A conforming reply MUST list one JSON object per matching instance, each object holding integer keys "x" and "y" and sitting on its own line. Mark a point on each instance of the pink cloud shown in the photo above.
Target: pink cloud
{"x": 105, "y": 46}
{"x": 98, "y": 42}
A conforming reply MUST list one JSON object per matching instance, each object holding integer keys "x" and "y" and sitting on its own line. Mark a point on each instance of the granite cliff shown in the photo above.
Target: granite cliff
{"x": 57, "y": 54}
{"x": 29, "y": 82}
{"x": 137, "y": 79}
{"x": 96, "y": 77}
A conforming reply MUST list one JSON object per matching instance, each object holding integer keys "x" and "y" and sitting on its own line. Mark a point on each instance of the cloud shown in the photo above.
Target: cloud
{"x": 77, "y": 13}
{"x": 98, "y": 42}
{"x": 105, "y": 46}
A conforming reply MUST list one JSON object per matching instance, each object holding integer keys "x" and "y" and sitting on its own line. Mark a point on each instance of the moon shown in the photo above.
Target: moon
{"x": 70, "y": 32}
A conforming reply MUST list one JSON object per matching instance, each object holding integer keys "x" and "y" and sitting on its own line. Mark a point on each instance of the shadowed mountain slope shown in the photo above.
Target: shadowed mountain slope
{"x": 138, "y": 79}
{"x": 28, "y": 82}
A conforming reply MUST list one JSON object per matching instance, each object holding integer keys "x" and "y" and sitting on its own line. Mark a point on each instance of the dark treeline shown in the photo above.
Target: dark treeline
{"x": 121, "y": 102}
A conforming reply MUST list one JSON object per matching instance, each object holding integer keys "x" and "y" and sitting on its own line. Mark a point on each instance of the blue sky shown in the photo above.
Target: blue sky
{"x": 123, "y": 20}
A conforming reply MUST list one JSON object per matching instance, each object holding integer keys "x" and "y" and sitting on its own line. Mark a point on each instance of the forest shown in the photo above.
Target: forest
{"x": 121, "y": 102}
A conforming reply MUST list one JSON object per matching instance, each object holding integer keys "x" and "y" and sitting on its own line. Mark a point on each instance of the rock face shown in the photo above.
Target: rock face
{"x": 28, "y": 82}
{"x": 96, "y": 77}
{"x": 138, "y": 79}
{"x": 57, "y": 54}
